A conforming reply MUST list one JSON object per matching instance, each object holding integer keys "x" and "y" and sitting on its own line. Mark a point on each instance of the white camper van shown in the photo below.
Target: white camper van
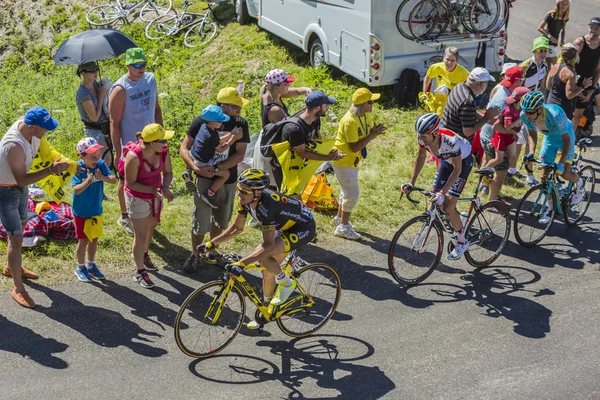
{"x": 361, "y": 38}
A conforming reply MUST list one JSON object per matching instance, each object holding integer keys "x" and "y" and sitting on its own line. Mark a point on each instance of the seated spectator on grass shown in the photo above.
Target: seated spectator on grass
{"x": 447, "y": 74}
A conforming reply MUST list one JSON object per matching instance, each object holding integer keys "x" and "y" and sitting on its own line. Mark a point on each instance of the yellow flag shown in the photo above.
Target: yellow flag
{"x": 52, "y": 184}
{"x": 297, "y": 170}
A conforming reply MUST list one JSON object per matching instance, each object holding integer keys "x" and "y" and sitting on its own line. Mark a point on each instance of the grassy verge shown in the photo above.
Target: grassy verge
{"x": 188, "y": 80}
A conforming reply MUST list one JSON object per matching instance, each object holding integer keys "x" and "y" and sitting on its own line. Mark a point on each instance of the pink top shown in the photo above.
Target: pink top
{"x": 152, "y": 178}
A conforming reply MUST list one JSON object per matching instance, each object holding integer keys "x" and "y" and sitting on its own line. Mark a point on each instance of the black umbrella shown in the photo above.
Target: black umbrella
{"x": 93, "y": 45}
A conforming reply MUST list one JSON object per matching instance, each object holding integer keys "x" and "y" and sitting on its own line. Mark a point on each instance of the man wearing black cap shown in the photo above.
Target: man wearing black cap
{"x": 18, "y": 148}
{"x": 588, "y": 66}
{"x": 298, "y": 134}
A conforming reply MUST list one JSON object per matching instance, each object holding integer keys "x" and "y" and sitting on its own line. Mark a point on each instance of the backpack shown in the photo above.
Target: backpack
{"x": 272, "y": 134}
{"x": 408, "y": 87}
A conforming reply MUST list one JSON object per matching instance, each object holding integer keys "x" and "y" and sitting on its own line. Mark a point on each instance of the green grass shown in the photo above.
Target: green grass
{"x": 188, "y": 80}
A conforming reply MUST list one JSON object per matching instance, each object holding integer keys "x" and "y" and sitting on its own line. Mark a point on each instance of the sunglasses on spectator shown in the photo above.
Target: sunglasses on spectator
{"x": 161, "y": 141}
{"x": 139, "y": 66}
{"x": 541, "y": 51}
{"x": 234, "y": 106}
{"x": 243, "y": 191}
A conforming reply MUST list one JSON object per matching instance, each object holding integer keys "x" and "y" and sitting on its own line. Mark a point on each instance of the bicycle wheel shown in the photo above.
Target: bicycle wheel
{"x": 484, "y": 14}
{"x": 161, "y": 27}
{"x": 487, "y": 233}
{"x": 428, "y": 19}
{"x": 154, "y": 9}
{"x": 402, "y": 18}
{"x": 534, "y": 215}
{"x": 320, "y": 283}
{"x": 196, "y": 333}
{"x": 574, "y": 212}
{"x": 200, "y": 34}
{"x": 102, "y": 15}
{"x": 415, "y": 250}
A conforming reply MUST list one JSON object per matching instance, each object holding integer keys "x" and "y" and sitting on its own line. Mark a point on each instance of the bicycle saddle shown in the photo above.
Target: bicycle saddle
{"x": 485, "y": 171}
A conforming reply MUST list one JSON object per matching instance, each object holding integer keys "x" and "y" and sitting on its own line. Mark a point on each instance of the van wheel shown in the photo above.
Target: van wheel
{"x": 317, "y": 54}
{"x": 241, "y": 10}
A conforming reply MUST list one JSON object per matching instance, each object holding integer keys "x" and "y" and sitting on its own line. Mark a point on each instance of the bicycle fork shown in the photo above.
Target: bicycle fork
{"x": 420, "y": 248}
{"x": 220, "y": 298}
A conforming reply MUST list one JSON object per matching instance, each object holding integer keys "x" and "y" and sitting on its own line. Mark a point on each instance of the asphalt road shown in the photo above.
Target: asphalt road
{"x": 526, "y": 16}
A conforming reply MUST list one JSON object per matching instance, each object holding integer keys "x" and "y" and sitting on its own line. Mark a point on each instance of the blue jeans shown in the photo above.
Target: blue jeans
{"x": 13, "y": 209}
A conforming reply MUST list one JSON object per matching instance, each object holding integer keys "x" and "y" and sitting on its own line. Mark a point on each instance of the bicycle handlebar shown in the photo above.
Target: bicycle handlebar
{"x": 424, "y": 192}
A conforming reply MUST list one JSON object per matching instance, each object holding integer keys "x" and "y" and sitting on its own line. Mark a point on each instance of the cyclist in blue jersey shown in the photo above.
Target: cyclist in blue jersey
{"x": 551, "y": 120}
{"x": 453, "y": 171}
{"x": 287, "y": 224}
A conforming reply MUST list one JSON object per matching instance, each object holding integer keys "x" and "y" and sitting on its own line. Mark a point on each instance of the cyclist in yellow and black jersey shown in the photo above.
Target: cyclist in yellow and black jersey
{"x": 287, "y": 224}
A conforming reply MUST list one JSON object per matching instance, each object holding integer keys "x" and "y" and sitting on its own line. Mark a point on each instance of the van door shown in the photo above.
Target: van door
{"x": 353, "y": 55}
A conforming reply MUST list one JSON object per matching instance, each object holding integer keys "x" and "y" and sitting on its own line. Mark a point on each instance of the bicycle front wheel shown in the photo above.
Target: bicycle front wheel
{"x": 534, "y": 215}
{"x": 320, "y": 284}
{"x": 102, "y": 15}
{"x": 416, "y": 250}
{"x": 161, "y": 27}
{"x": 428, "y": 19}
{"x": 200, "y": 34}
{"x": 487, "y": 233}
{"x": 402, "y": 18}
{"x": 154, "y": 9}
{"x": 575, "y": 212}
{"x": 208, "y": 321}
{"x": 484, "y": 14}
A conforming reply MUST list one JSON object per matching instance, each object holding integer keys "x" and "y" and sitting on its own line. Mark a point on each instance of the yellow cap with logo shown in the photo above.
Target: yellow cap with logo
{"x": 230, "y": 95}
{"x": 154, "y": 132}
{"x": 363, "y": 95}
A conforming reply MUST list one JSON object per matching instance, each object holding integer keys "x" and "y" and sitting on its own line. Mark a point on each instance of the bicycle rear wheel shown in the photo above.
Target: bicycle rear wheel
{"x": 534, "y": 215}
{"x": 155, "y": 8}
{"x": 102, "y": 15}
{"x": 161, "y": 27}
{"x": 428, "y": 19}
{"x": 200, "y": 34}
{"x": 402, "y": 18}
{"x": 487, "y": 233}
{"x": 415, "y": 250}
{"x": 196, "y": 332}
{"x": 575, "y": 212}
{"x": 484, "y": 14}
{"x": 321, "y": 285}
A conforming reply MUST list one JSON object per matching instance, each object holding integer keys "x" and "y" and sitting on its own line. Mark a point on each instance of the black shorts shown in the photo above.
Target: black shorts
{"x": 445, "y": 170}
{"x": 298, "y": 235}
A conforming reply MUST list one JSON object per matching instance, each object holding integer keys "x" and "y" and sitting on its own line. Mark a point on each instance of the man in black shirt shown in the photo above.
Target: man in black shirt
{"x": 205, "y": 218}
{"x": 304, "y": 129}
{"x": 588, "y": 66}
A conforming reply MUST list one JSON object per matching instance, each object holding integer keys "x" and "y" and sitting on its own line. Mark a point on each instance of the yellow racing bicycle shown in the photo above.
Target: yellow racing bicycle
{"x": 211, "y": 316}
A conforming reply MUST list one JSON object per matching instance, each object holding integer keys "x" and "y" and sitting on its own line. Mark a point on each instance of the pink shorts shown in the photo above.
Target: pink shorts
{"x": 501, "y": 141}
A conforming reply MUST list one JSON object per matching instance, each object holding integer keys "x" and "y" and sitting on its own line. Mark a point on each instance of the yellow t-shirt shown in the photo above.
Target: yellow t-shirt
{"x": 351, "y": 130}
{"x": 443, "y": 77}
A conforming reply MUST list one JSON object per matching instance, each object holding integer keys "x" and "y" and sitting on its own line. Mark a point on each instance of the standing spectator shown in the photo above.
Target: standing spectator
{"x": 460, "y": 113}
{"x": 447, "y": 74}
{"x": 562, "y": 81}
{"x": 88, "y": 190}
{"x": 133, "y": 104}
{"x": 18, "y": 148}
{"x": 206, "y": 219}
{"x": 298, "y": 134}
{"x": 554, "y": 25}
{"x": 535, "y": 69}
{"x": 356, "y": 130}
{"x": 588, "y": 47}
{"x": 277, "y": 87}
{"x": 90, "y": 100}
{"x": 148, "y": 176}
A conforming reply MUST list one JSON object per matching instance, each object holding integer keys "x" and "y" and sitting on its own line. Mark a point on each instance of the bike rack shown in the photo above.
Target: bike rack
{"x": 444, "y": 41}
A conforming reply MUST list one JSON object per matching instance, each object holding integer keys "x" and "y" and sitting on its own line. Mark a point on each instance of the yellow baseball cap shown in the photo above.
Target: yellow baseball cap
{"x": 363, "y": 95}
{"x": 230, "y": 95}
{"x": 154, "y": 132}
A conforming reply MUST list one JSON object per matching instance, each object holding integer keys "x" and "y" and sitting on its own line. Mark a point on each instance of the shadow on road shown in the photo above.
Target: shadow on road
{"x": 103, "y": 327}
{"x": 25, "y": 342}
{"x": 323, "y": 360}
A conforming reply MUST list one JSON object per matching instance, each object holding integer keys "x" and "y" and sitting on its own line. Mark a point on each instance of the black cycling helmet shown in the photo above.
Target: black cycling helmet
{"x": 532, "y": 101}
{"x": 254, "y": 178}
{"x": 427, "y": 123}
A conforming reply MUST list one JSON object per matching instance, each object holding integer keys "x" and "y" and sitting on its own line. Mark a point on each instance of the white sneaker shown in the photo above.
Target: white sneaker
{"x": 253, "y": 325}
{"x": 126, "y": 224}
{"x": 347, "y": 232}
{"x": 531, "y": 181}
{"x": 283, "y": 292}
{"x": 458, "y": 251}
{"x": 338, "y": 221}
{"x": 546, "y": 217}
{"x": 578, "y": 196}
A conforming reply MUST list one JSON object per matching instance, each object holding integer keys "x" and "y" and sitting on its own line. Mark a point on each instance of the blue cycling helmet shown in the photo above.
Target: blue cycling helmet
{"x": 532, "y": 101}
{"x": 427, "y": 123}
